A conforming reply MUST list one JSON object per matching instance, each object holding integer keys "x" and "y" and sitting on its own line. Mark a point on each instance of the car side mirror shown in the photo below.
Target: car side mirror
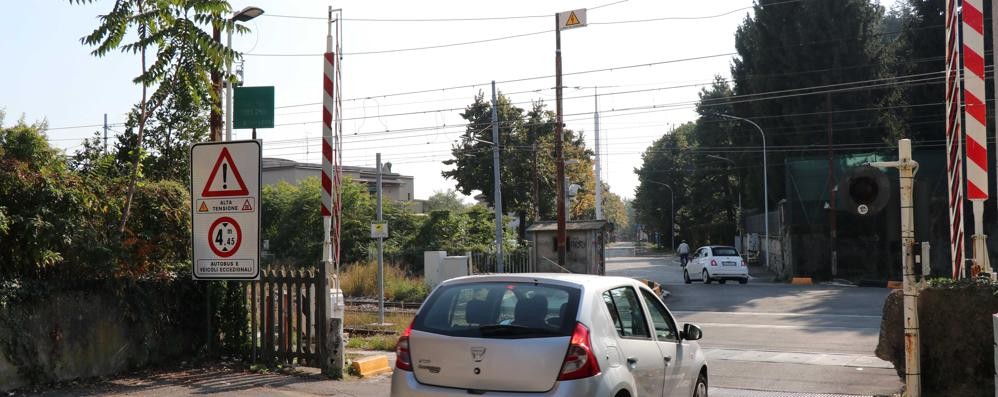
{"x": 692, "y": 332}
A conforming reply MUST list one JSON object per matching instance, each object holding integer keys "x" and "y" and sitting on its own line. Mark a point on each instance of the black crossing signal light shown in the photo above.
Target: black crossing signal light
{"x": 864, "y": 190}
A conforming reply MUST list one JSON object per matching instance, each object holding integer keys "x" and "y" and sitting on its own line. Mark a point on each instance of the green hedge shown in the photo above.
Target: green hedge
{"x": 956, "y": 332}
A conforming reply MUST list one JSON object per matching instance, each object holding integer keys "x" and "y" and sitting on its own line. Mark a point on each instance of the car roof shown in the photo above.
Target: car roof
{"x": 580, "y": 280}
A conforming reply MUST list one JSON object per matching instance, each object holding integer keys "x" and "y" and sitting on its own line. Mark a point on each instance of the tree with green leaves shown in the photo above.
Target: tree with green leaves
{"x": 56, "y": 223}
{"x": 804, "y": 68}
{"x": 527, "y": 162}
{"x": 615, "y": 212}
{"x": 185, "y": 56}
{"x": 295, "y": 232}
{"x": 444, "y": 200}
{"x": 668, "y": 161}
{"x": 165, "y": 151}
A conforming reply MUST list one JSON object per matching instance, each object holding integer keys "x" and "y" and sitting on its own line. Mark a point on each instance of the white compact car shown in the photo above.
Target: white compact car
{"x": 547, "y": 335}
{"x": 716, "y": 262}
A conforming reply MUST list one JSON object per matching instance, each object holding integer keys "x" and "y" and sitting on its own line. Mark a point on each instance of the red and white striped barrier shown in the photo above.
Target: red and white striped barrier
{"x": 329, "y": 60}
{"x": 954, "y": 159}
{"x": 974, "y": 96}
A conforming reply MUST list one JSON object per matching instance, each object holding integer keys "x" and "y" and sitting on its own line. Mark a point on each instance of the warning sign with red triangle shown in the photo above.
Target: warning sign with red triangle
{"x": 572, "y": 20}
{"x": 203, "y": 207}
{"x": 225, "y": 180}
{"x": 247, "y": 206}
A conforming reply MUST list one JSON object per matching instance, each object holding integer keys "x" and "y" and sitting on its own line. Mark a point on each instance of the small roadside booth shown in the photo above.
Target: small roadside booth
{"x": 585, "y": 251}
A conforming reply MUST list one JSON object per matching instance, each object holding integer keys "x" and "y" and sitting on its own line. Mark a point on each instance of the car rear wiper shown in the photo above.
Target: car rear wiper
{"x": 510, "y": 329}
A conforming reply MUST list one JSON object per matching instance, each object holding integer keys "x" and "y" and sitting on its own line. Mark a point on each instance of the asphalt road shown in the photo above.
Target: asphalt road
{"x": 767, "y": 336}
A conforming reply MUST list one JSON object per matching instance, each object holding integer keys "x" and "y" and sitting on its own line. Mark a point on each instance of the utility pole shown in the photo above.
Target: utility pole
{"x": 832, "y": 216}
{"x": 558, "y": 150}
{"x": 536, "y": 199}
{"x": 912, "y": 362}
{"x": 215, "y": 119}
{"x": 381, "y": 250}
{"x": 497, "y": 190}
{"x": 599, "y": 184}
{"x": 105, "y": 133}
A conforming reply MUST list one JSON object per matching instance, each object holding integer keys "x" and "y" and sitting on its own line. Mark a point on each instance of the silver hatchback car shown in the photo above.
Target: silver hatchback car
{"x": 547, "y": 335}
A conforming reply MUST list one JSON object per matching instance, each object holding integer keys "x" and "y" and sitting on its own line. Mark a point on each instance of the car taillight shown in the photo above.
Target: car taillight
{"x": 580, "y": 362}
{"x": 713, "y": 262}
{"x": 403, "y": 360}
{"x": 743, "y": 263}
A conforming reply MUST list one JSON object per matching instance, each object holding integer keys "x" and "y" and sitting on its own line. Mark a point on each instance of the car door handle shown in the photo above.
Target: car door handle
{"x": 632, "y": 360}
{"x": 667, "y": 360}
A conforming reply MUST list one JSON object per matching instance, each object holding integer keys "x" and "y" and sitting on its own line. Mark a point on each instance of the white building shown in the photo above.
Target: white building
{"x": 396, "y": 187}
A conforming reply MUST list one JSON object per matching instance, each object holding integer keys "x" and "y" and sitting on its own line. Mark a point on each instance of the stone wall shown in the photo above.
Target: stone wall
{"x": 74, "y": 335}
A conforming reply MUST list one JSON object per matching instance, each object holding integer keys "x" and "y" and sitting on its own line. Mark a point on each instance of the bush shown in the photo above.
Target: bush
{"x": 956, "y": 332}
{"x": 361, "y": 280}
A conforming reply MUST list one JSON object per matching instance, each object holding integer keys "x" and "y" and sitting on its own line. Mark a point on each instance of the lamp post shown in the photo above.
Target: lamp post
{"x": 245, "y": 15}
{"x": 765, "y": 178}
{"x": 672, "y": 213}
{"x": 739, "y": 216}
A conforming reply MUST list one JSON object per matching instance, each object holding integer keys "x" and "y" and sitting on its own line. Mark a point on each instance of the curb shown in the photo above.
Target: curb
{"x": 801, "y": 281}
{"x": 371, "y": 365}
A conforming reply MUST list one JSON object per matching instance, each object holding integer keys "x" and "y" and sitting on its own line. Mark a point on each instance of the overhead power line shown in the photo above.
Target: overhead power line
{"x": 515, "y": 17}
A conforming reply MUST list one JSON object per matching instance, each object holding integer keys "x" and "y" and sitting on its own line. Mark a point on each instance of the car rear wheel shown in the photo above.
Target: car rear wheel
{"x": 743, "y": 281}
{"x": 686, "y": 277}
{"x": 700, "y": 390}
{"x": 706, "y": 277}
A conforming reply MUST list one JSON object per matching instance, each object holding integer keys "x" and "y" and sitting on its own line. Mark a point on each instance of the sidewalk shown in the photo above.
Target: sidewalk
{"x": 220, "y": 379}
{"x": 760, "y": 273}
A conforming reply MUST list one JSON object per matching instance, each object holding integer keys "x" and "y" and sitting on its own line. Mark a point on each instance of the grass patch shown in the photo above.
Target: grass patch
{"x": 375, "y": 342}
{"x": 365, "y": 320}
{"x": 361, "y": 280}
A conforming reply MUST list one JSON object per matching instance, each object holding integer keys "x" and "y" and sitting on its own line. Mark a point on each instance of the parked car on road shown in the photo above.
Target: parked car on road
{"x": 716, "y": 262}
{"x": 547, "y": 335}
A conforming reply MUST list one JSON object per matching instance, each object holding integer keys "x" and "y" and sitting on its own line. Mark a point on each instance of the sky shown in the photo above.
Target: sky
{"x": 648, "y": 71}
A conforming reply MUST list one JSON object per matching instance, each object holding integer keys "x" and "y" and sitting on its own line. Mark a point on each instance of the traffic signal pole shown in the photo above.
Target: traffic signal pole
{"x": 907, "y": 168}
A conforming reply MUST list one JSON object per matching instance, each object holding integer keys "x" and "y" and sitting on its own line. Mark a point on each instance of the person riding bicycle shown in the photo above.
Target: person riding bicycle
{"x": 684, "y": 253}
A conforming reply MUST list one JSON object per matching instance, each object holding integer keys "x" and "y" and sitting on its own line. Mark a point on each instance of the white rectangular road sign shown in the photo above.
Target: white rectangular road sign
{"x": 572, "y": 19}
{"x": 379, "y": 230}
{"x": 225, "y": 193}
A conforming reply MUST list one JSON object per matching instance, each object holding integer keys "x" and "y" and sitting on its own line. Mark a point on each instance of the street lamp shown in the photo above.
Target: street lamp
{"x": 739, "y": 217}
{"x": 245, "y": 15}
{"x": 765, "y": 177}
{"x": 672, "y": 212}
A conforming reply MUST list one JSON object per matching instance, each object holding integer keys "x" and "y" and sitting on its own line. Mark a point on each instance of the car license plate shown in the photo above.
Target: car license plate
{"x": 729, "y": 263}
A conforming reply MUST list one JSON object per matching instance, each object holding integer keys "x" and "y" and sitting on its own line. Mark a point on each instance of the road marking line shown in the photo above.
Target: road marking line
{"x": 689, "y": 312}
{"x": 725, "y": 392}
{"x": 802, "y": 358}
{"x": 816, "y": 327}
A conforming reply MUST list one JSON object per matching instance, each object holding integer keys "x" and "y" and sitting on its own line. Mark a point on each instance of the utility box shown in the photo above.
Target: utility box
{"x": 438, "y": 267}
{"x": 584, "y": 254}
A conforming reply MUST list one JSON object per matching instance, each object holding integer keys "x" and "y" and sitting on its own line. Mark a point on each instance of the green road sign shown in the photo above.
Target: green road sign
{"x": 253, "y": 107}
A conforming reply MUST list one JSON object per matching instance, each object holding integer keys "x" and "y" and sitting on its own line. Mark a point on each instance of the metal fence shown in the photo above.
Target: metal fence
{"x": 513, "y": 262}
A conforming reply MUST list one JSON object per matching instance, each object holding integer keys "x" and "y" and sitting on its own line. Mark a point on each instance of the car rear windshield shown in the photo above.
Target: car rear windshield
{"x": 725, "y": 251}
{"x": 500, "y": 310}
